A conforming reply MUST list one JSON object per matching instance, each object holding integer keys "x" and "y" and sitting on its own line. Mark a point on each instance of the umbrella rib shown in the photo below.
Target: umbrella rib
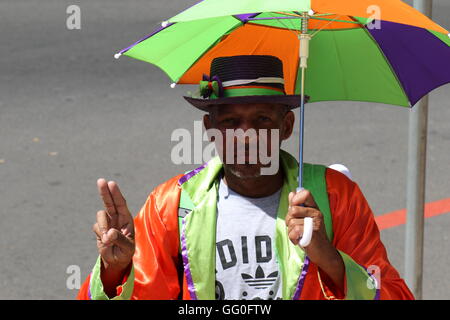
{"x": 323, "y": 15}
{"x": 280, "y": 20}
{"x": 274, "y": 18}
{"x": 333, "y": 20}
{"x": 323, "y": 26}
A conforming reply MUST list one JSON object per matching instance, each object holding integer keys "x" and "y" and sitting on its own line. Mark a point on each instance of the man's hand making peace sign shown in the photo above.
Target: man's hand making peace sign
{"x": 115, "y": 235}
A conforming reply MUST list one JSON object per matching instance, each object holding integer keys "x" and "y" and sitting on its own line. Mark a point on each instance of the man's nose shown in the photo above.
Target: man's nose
{"x": 245, "y": 126}
{"x": 246, "y": 135}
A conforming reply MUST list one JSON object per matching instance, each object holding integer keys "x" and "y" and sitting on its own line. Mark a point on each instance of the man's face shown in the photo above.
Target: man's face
{"x": 251, "y": 136}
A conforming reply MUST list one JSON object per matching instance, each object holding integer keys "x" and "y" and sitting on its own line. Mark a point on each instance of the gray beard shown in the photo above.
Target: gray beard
{"x": 240, "y": 175}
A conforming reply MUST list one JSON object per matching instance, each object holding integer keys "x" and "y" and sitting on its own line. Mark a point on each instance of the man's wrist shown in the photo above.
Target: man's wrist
{"x": 328, "y": 260}
{"x": 114, "y": 269}
{"x": 333, "y": 266}
{"x": 322, "y": 253}
{"x": 112, "y": 277}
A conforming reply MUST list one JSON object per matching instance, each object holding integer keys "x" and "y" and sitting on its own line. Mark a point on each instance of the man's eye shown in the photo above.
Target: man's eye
{"x": 228, "y": 122}
{"x": 264, "y": 119}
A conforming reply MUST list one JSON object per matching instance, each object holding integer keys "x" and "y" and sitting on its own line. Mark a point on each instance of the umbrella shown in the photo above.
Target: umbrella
{"x": 380, "y": 51}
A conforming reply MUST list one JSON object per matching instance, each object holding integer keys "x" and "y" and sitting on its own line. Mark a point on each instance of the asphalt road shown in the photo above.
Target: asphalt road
{"x": 70, "y": 113}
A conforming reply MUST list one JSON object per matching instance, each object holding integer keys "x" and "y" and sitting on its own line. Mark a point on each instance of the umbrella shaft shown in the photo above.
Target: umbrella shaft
{"x": 305, "y": 20}
{"x": 303, "y": 55}
{"x": 301, "y": 130}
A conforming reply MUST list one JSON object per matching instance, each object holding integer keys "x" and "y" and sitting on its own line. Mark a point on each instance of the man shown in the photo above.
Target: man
{"x": 228, "y": 231}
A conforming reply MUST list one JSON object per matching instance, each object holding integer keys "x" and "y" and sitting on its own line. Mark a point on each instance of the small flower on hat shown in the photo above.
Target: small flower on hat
{"x": 208, "y": 86}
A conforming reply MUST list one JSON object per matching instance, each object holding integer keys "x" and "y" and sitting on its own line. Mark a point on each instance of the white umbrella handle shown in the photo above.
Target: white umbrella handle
{"x": 307, "y": 232}
{"x": 305, "y": 240}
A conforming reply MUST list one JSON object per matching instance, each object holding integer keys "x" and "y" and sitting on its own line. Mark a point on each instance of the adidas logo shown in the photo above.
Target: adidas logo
{"x": 260, "y": 281}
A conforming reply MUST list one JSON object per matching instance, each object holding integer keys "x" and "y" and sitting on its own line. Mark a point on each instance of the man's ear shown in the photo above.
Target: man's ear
{"x": 288, "y": 125}
{"x": 207, "y": 122}
{"x": 208, "y": 125}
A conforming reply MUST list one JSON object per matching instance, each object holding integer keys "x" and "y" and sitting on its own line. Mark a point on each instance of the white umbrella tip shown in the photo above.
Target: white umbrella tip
{"x": 165, "y": 24}
{"x": 449, "y": 35}
{"x": 117, "y": 55}
{"x": 311, "y": 12}
{"x": 173, "y": 85}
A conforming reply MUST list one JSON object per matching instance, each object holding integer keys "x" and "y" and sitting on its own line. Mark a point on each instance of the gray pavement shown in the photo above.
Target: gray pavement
{"x": 70, "y": 113}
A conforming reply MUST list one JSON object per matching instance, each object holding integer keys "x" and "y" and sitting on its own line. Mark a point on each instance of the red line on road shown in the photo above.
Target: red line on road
{"x": 396, "y": 218}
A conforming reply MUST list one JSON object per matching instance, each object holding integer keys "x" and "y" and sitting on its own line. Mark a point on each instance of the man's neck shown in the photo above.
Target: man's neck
{"x": 258, "y": 187}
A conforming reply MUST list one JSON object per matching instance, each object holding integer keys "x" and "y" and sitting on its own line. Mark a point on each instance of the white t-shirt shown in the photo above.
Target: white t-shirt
{"x": 246, "y": 266}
